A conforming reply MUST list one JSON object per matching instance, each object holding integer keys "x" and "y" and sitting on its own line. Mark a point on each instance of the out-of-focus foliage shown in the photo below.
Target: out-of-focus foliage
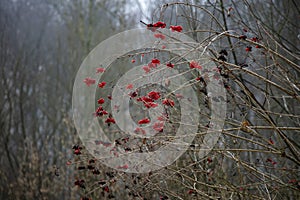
{"x": 42, "y": 44}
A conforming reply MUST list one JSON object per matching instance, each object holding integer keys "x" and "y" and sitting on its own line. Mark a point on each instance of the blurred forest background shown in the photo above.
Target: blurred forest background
{"x": 42, "y": 44}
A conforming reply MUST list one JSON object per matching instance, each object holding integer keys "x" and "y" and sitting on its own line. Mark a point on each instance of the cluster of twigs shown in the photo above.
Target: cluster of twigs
{"x": 258, "y": 153}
